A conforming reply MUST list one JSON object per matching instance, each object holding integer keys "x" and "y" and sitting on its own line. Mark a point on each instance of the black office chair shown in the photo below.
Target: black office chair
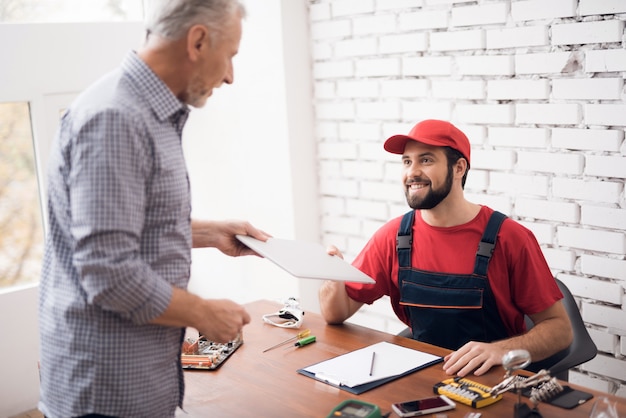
{"x": 582, "y": 348}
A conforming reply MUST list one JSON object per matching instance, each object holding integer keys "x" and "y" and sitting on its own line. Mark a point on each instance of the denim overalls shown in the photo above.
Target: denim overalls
{"x": 450, "y": 310}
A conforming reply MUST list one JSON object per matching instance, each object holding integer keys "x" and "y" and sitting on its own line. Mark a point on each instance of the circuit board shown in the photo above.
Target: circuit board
{"x": 203, "y": 354}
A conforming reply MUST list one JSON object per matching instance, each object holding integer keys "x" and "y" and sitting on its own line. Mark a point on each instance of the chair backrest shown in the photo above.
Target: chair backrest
{"x": 582, "y": 348}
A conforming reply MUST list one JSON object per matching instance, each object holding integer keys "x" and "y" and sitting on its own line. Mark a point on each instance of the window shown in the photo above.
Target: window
{"x": 21, "y": 229}
{"x": 21, "y": 216}
{"x": 70, "y": 10}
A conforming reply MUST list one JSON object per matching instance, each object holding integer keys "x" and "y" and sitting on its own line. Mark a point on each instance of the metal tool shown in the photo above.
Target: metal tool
{"x": 298, "y": 336}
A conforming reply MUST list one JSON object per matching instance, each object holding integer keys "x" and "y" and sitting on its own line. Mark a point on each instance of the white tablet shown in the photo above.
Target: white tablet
{"x": 305, "y": 260}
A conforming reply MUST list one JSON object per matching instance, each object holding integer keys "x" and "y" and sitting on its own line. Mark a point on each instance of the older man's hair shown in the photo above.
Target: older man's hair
{"x": 171, "y": 19}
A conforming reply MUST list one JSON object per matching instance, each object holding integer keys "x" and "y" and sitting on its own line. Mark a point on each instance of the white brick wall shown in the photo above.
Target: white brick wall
{"x": 538, "y": 87}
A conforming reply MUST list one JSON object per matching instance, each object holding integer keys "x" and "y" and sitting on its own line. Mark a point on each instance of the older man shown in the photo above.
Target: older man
{"x": 113, "y": 304}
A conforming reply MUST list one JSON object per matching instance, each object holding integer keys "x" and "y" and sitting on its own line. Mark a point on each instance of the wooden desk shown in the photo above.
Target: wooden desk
{"x": 266, "y": 385}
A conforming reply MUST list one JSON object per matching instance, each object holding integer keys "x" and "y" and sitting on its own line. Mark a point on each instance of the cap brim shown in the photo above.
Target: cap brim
{"x": 396, "y": 144}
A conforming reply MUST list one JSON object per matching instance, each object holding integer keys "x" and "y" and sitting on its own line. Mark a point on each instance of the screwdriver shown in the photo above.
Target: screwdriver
{"x": 298, "y": 336}
{"x": 305, "y": 341}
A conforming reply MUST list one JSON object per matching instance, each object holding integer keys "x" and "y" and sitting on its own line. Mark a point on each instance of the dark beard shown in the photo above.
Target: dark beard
{"x": 433, "y": 197}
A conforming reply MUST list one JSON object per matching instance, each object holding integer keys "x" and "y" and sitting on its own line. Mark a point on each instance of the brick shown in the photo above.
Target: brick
{"x": 382, "y": 191}
{"x": 426, "y": 66}
{"x": 589, "y": 381}
{"x": 319, "y": 11}
{"x": 377, "y": 67}
{"x": 593, "y": 240}
{"x": 476, "y": 134}
{"x": 410, "y": 42}
{"x": 550, "y": 162}
{"x": 337, "y": 150}
{"x": 601, "y": 290}
{"x": 603, "y": 267}
{"x": 605, "y": 60}
{"x": 587, "y": 139}
{"x": 465, "y": 89}
{"x": 363, "y": 208}
{"x": 606, "y": 166}
{"x": 461, "y": 40}
{"x": 559, "y": 259}
{"x": 518, "y": 89}
{"x": 335, "y": 187}
{"x": 360, "y": 130}
{"x": 358, "y": 88}
{"x": 485, "y": 65}
{"x": 603, "y": 217}
{"x": 518, "y": 137}
{"x": 372, "y": 25}
{"x": 397, "y": 4}
{"x": 605, "y": 316}
{"x": 356, "y": 47}
{"x": 414, "y": 111}
{"x": 415, "y": 88}
{"x": 588, "y": 89}
{"x": 606, "y": 366}
{"x": 340, "y": 224}
{"x": 321, "y": 51}
{"x": 324, "y": 90}
{"x": 351, "y": 7}
{"x": 545, "y": 62}
{"x": 517, "y": 37}
{"x": 606, "y": 343}
{"x": 484, "y": 14}
{"x": 600, "y": 7}
{"x": 541, "y": 9}
{"x": 516, "y": 184}
{"x": 325, "y": 70}
{"x": 331, "y": 205}
{"x": 589, "y": 190}
{"x": 491, "y": 113}
{"x": 370, "y": 170}
{"x": 477, "y": 180}
{"x": 499, "y": 203}
{"x": 326, "y": 129}
{"x": 553, "y": 114}
{"x": 493, "y": 160}
{"x": 543, "y": 232}
{"x": 587, "y": 32}
{"x": 335, "y": 111}
{"x": 548, "y": 210}
{"x": 378, "y": 110}
{"x": 425, "y": 19}
{"x": 605, "y": 114}
{"x": 333, "y": 29}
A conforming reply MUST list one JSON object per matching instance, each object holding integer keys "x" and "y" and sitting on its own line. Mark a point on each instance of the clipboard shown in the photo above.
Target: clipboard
{"x": 369, "y": 367}
{"x": 306, "y": 260}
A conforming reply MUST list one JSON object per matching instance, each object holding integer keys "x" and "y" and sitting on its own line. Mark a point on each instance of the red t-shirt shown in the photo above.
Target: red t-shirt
{"x": 518, "y": 273}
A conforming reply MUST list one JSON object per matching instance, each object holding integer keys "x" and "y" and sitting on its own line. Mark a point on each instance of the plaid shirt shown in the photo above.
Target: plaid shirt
{"x": 119, "y": 238}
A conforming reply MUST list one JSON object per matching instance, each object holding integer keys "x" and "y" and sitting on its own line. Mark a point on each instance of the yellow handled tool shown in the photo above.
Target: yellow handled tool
{"x": 300, "y": 335}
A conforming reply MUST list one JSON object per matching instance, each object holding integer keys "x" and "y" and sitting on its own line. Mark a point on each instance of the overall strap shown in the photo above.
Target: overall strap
{"x": 404, "y": 239}
{"x": 488, "y": 243}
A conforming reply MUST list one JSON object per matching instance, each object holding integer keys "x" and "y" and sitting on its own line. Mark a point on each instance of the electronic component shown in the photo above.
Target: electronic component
{"x": 353, "y": 408}
{"x": 467, "y": 392}
{"x": 207, "y": 355}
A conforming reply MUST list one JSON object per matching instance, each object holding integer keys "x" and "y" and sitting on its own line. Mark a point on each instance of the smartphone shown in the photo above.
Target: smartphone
{"x": 423, "y": 406}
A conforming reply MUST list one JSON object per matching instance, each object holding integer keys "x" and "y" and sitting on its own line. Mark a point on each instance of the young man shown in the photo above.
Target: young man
{"x": 427, "y": 262}
{"x": 113, "y": 299}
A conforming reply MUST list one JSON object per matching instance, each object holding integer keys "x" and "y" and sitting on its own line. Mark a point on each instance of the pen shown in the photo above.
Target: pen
{"x": 372, "y": 364}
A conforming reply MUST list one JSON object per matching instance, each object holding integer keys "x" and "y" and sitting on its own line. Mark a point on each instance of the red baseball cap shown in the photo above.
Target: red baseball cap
{"x": 432, "y": 132}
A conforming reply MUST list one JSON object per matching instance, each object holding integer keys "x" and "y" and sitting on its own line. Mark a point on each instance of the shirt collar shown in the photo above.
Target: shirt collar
{"x": 157, "y": 94}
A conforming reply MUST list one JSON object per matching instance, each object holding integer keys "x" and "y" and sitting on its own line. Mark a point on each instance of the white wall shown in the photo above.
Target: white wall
{"x": 537, "y": 85}
{"x": 251, "y": 155}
